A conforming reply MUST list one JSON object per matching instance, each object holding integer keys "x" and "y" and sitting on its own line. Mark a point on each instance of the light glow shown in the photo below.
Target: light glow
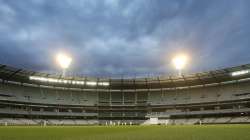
{"x": 91, "y": 83}
{"x": 63, "y": 81}
{"x": 63, "y": 60}
{"x": 180, "y": 61}
{"x": 54, "y": 80}
{"x": 238, "y": 73}
{"x": 103, "y": 83}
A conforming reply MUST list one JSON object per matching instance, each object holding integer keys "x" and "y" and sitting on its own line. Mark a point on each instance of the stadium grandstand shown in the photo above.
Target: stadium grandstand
{"x": 214, "y": 97}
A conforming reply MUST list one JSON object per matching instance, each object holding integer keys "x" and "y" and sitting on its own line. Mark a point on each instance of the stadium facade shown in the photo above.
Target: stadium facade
{"x": 33, "y": 98}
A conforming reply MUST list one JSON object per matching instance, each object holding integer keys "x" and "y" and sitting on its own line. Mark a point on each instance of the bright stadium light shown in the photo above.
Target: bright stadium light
{"x": 239, "y": 73}
{"x": 55, "y": 80}
{"x": 64, "y": 61}
{"x": 90, "y": 83}
{"x": 180, "y": 62}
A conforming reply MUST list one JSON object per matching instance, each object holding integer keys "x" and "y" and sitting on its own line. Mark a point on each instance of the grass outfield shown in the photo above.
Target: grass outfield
{"x": 209, "y": 132}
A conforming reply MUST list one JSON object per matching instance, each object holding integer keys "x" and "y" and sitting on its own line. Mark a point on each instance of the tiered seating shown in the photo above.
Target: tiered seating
{"x": 204, "y": 101}
{"x": 227, "y": 92}
{"x": 192, "y": 121}
{"x": 129, "y": 98}
{"x": 199, "y": 95}
{"x": 47, "y": 95}
{"x": 104, "y": 98}
{"x": 117, "y": 114}
{"x": 155, "y": 97}
{"x": 239, "y": 119}
{"x": 116, "y": 98}
{"x": 142, "y": 98}
{"x": 180, "y": 121}
{"x": 104, "y": 114}
{"x": 23, "y": 121}
{"x": 28, "y": 121}
{"x": 91, "y": 98}
{"x": 169, "y": 97}
{"x": 68, "y": 122}
{"x": 123, "y": 122}
{"x": 208, "y": 120}
{"x": 129, "y": 114}
{"x": 54, "y": 122}
{"x": 93, "y": 122}
{"x": 222, "y": 120}
{"x": 81, "y": 122}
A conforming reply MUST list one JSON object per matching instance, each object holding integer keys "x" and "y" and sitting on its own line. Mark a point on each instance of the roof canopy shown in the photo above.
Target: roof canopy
{"x": 216, "y": 76}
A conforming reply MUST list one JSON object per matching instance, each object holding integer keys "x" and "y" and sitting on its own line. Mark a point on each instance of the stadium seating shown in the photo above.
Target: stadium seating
{"x": 191, "y": 99}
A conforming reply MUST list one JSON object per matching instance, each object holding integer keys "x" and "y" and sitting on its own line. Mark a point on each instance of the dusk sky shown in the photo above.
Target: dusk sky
{"x": 124, "y": 37}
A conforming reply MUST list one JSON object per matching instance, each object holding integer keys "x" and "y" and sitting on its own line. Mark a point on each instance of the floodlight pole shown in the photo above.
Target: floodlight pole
{"x": 179, "y": 72}
{"x": 64, "y": 73}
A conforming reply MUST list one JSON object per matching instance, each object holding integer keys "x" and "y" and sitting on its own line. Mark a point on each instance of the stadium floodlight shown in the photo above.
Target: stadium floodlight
{"x": 64, "y": 61}
{"x": 180, "y": 62}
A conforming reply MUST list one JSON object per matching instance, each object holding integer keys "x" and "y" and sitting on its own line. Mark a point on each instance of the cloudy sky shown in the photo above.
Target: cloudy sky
{"x": 124, "y": 37}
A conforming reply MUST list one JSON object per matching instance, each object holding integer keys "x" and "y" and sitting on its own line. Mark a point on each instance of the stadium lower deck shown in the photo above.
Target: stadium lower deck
{"x": 215, "y": 97}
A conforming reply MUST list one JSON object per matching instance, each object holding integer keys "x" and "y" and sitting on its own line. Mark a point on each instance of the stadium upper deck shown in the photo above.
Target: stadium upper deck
{"x": 8, "y": 73}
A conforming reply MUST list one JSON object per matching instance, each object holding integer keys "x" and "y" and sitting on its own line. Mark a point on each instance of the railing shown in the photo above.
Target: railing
{"x": 45, "y": 113}
{"x": 122, "y": 114}
{"x": 204, "y": 112}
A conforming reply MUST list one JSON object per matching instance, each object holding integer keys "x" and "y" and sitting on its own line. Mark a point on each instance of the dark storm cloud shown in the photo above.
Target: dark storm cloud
{"x": 124, "y": 37}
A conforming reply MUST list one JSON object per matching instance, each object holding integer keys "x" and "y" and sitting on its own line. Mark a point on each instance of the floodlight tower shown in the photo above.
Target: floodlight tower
{"x": 64, "y": 61}
{"x": 180, "y": 62}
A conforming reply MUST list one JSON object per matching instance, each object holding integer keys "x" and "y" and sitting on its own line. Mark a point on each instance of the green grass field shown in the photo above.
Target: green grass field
{"x": 209, "y": 132}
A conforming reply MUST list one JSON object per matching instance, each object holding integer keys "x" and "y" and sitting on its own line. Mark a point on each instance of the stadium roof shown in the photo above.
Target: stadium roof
{"x": 8, "y": 73}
